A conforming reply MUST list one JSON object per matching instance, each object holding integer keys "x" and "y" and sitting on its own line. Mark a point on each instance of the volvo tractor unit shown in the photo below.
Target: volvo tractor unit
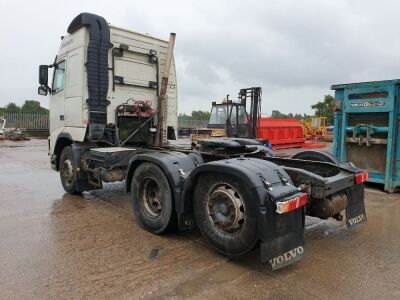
{"x": 113, "y": 109}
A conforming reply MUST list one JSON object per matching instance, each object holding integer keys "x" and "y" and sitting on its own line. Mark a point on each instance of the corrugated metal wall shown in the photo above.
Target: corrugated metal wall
{"x": 192, "y": 124}
{"x": 27, "y": 121}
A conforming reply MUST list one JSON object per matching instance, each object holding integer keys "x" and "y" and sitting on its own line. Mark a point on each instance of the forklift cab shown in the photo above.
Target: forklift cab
{"x": 230, "y": 116}
{"x": 318, "y": 124}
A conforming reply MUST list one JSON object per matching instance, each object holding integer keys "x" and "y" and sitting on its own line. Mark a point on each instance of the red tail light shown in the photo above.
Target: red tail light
{"x": 361, "y": 177}
{"x": 292, "y": 204}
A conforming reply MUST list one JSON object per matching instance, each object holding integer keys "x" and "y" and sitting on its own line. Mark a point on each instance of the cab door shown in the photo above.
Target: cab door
{"x": 57, "y": 119}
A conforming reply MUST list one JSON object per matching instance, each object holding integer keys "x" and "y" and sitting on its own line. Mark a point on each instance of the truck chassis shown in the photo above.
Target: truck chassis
{"x": 235, "y": 190}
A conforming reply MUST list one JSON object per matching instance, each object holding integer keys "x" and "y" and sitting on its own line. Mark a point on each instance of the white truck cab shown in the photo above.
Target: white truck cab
{"x": 105, "y": 83}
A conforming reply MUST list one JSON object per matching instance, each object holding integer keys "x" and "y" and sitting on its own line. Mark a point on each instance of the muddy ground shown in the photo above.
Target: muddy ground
{"x": 53, "y": 245}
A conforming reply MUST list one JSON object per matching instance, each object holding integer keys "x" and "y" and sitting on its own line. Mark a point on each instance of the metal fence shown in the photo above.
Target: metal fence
{"x": 192, "y": 124}
{"x": 27, "y": 121}
{"x": 41, "y": 121}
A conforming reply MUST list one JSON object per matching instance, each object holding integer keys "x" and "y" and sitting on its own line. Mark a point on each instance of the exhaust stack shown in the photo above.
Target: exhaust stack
{"x": 162, "y": 98}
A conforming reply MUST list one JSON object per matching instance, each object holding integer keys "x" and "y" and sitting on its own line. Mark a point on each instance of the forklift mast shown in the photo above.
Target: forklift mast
{"x": 254, "y": 95}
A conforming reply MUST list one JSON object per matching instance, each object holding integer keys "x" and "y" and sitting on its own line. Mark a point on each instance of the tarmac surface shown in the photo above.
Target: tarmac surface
{"x": 53, "y": 245}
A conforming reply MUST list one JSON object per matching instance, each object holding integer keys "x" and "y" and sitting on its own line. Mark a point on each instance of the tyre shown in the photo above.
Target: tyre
{"x": 317, "y": 156}
{"x": 152, "y": 201}
{"x": 226, "y": 213}
{"x": 67, "y": 170}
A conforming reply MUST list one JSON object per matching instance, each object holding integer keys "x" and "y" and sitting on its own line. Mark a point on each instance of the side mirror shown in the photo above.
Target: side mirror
{"x": 43, "y": 75}
{"x": 42, "y": 90}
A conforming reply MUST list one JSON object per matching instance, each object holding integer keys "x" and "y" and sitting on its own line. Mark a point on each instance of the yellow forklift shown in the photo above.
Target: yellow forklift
{"x": 315, "y": 129}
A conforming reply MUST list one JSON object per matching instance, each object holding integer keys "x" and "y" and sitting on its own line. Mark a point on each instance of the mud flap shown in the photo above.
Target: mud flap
{"x": 81, "y": 178}
{"x": 283, "y": 242}
{"x": 355, "y": 211}
{"x": 283, "y": 251}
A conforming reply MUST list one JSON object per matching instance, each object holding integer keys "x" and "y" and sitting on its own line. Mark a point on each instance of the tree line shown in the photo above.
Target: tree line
{"x": 322, "y": 108}
{"x": 195, "y": 115}
{"x": 29, "y": 107}
{"x": 277, "y": 114}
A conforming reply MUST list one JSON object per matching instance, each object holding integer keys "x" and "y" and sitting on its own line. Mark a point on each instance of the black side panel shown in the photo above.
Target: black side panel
{"x": 97, "y": 70}
{"x": 170, "y": 162}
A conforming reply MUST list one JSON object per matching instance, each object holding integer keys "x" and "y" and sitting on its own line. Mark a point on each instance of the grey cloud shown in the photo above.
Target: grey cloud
{"x": 294, "y": 49}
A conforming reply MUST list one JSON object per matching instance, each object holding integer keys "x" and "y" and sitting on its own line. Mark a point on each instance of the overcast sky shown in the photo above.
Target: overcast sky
{"x": 295, "y": 50}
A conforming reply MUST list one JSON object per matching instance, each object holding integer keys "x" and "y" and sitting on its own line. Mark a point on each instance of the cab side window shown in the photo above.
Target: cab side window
{"x": 59, "y": 77}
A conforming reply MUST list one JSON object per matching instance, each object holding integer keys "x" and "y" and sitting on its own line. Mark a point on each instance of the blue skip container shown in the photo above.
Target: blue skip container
{"x": 366, "y": 129}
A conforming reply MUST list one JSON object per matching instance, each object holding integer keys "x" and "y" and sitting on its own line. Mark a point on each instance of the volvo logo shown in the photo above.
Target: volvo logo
{"x": 287, "y": 256}
{"x": 356, "y": 220}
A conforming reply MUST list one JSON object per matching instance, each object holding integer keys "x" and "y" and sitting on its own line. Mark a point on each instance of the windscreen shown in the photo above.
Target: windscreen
{"x": 242, "y": 115}
{"x": 315, "y": 123}
{"x": 218, "y": 115}
{"x": 59, "y": 77}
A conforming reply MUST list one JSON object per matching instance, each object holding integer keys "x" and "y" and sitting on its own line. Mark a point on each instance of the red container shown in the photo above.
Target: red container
{"x": 281, "y": 133}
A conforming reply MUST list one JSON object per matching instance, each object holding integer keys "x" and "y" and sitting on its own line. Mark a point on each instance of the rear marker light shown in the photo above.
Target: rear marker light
{"x": 361, "y": 177}
{"x": 292, "y": 204}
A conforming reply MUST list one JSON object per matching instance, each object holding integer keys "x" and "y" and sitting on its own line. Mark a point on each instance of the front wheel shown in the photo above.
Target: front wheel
{"x": 67, "y": 170}
{"x": 226, "y": 213}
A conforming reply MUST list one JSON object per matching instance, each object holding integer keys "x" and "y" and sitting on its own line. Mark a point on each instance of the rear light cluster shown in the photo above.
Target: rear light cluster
{"x": 361, "y": 177}
{"x": 292, "y": 204}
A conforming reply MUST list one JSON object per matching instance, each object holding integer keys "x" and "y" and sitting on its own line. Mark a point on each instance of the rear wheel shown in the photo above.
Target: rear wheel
{"x": 225, "y": 213}
{"x": 152, "y": 199}
{"x": 67, "y": 170}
